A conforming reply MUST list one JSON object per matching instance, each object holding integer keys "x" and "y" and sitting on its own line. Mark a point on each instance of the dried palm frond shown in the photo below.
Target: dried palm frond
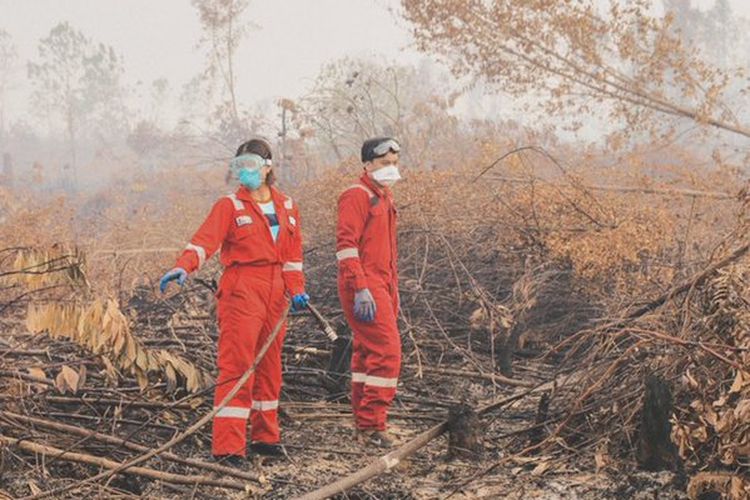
{"x": 102, "y": 328}
{"x": 54, "y": 266}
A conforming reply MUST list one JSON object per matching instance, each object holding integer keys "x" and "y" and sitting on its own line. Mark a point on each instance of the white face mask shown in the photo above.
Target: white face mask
{"x": 387, "y": 176}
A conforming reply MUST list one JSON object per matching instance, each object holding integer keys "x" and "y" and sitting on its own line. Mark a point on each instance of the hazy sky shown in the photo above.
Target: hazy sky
{"x": 158, "y": 38}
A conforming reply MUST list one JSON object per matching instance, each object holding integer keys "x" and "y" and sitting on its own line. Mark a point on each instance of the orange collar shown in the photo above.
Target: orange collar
{"x": 381, "y": 192}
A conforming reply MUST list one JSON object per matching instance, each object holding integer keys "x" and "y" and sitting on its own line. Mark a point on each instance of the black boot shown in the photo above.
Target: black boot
{"x": 235, "y": 461}
{"x": 275, "y": 450}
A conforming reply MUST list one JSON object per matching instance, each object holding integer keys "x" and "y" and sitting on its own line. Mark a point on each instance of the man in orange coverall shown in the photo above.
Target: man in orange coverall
{"x": 368, "y": 286}
{"x": 258, "y": 230}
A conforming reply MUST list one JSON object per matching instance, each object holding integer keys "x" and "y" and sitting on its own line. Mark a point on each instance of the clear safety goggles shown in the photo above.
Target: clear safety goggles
{"x": 250, "y": 161}
{"x": 385, "y": 146}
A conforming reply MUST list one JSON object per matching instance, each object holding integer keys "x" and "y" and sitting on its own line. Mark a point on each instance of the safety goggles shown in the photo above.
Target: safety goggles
{"x": 250, "y": 161}
{"x": 385, "y": 146}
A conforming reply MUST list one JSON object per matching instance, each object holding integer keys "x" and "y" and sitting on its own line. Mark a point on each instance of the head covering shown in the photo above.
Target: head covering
{"x": 377, "y": 147}
{"x": 256, "y": 146}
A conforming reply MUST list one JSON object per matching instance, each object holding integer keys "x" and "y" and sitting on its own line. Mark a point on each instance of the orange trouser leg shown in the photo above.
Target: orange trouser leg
{"x": 359, "y": 373}
{"x": 247, "y": 300}
{"x": 267, "y": 388}
{"x": 377, "y": 353}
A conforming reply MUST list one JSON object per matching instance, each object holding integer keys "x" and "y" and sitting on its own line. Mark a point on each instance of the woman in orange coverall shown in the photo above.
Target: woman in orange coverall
{"x": 258, "y": 230}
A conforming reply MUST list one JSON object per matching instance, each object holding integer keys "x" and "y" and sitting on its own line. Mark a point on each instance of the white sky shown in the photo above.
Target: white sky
{"x": 158, "y": 38}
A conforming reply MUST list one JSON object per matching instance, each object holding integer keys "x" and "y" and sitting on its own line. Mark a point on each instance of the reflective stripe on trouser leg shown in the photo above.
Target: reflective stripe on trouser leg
{"x": 240, "y": 322}
{"x": 359, "y": 374}
{"x": 379, "y": 345}
{"x": 264, "y": 420}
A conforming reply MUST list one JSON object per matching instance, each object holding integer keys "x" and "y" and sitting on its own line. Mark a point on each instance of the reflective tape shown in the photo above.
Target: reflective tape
{"x": 238, "y": 205}
{"x": 347, "y": 253}
{"x": 380, "y": 381}
{"x": 233, "y": 412}
{"x": 363, "y": 188}
{"x": 359, "y": 377}
{"x": 292, "y": 266}
{"x": 198, "y": 250}
{"x": 288, "y": 204}
{"x": 265, "y": 405}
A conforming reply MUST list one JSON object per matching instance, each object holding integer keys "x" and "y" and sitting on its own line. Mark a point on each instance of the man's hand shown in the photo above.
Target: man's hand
{"x": 177, "y": 273}
{"x": 364, "y": 306}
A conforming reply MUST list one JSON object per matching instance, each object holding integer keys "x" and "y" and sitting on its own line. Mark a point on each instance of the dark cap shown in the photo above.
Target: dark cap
{"x": 377, "y": 147}
{"x": 256, "y": 146}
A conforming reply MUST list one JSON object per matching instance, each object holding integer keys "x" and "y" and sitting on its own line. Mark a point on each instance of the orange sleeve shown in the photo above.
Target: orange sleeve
{"x": 353, "y": 209}
{"x": 209, "y": 237}
{"x": 292, "y": 272}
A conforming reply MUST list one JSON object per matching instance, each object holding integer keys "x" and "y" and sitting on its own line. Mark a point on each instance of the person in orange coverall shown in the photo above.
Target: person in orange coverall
{"x": 368, "y": 286}
{"x": 258, "y": 231}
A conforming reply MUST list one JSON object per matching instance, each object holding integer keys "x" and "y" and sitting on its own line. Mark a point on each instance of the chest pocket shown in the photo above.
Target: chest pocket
{"x": 377, "y": 216}
{"x": 244, "y": 225}
{"x": 244, "y": 222}
{"x": 378, "y": 207}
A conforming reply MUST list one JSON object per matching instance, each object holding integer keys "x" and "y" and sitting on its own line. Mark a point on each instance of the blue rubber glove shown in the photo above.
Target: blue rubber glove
{"x": 300, "y": 301}
{"x": 177, "y": 273}
{"x": 364, "y": 306}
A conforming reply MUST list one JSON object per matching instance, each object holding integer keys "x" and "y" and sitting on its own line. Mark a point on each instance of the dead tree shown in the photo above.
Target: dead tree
{"x": 465, "y": 438}
{"x": 655, "y": 448}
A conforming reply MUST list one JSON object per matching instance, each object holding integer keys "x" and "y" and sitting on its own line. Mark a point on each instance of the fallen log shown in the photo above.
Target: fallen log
{"x": 382, "y": 464}
{"x": 106, "y": 438}
{"x": 26, "y": 376}
{"x": 108, "y": 402}
{"x": 492, "y": 377}
{"x": 58, "y": 454}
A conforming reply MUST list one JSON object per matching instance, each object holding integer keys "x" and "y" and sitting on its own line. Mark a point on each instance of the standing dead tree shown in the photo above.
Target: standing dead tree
{"x": 223, "y": 33}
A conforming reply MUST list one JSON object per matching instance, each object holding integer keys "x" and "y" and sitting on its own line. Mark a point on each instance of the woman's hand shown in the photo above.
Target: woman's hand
{"x": 177, "y": 273}
{"x": 300, "y": 301}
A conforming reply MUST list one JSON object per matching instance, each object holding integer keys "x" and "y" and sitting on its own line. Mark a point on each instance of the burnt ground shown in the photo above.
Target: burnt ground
{"x": 316, "y": 422}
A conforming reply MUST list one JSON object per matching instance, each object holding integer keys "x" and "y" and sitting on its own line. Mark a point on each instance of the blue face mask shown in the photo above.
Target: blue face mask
{"x": 251, "y": 179}
{"x": 247, "y": 170}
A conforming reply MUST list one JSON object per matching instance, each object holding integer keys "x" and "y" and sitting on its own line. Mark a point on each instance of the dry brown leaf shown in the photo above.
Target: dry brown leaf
{"x": 37, "y": 372}
{"x": 541, "y": 468}
{"x": 35, "y": 490}
{"x": 740, "y": 380}
{"x": 141, "y": 378}
{"x": 70, "y": 378}
{"x": 60, "y": 384}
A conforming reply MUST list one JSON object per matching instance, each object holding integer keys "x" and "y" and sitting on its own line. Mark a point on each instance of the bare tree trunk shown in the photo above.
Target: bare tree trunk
{"x": 70, "y": 119}
{"x": 230, "y": 68}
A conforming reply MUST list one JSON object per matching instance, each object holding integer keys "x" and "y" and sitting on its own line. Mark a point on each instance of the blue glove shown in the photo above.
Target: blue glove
{"x": 177, "y": 273}
{"x": 300, "y": 301}
{"x": 364, "y": 306}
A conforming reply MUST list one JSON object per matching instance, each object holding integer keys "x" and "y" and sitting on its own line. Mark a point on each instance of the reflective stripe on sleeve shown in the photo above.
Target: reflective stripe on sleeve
{"x": 288, "y": 204}
{"x": 233, "y": 412}
{"x": 198, "y": 250}
{"x": 363, "y": 188}
{"x": 292, "y": 266}
{"x": 265, "y": 405}
{"x": 238, "y": 205}
{"x": 359, "y": 377}
{"x": 347, "y": 253}
{"x": 380, "y": 381}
